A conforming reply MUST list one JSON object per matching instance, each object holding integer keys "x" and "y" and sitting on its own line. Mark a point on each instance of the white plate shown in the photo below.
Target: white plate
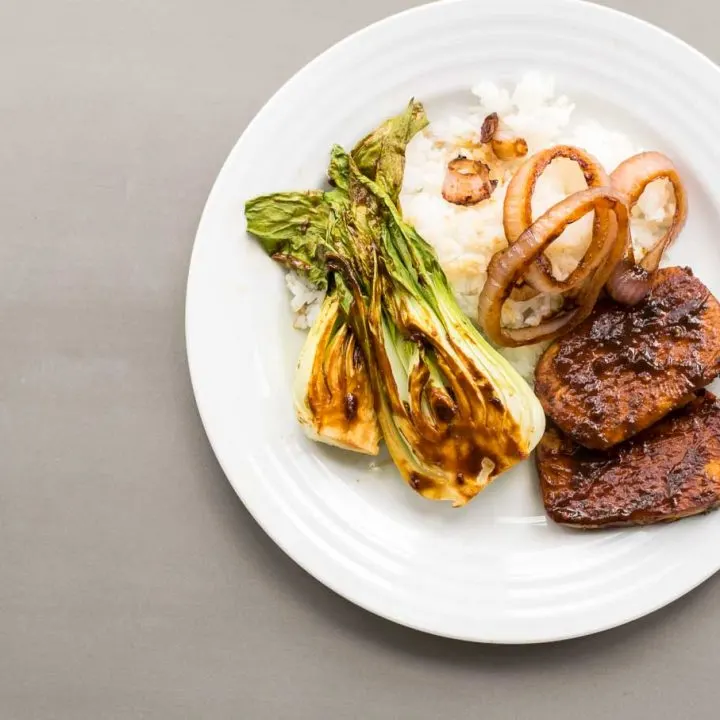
{"x": 498, "y": 570}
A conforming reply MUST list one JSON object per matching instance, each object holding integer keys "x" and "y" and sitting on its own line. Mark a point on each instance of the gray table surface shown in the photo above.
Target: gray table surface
{"x": 133, "y": 583}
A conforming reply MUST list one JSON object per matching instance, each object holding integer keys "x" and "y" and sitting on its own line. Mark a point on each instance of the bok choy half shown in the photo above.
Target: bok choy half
{"x": 392, "y": 352}
{"x": 333, "y": 399}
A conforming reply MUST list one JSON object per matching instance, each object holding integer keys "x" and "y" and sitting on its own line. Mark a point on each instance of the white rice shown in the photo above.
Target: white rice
{"x": 306, "y": 300}
{"x": 466, "y": 238}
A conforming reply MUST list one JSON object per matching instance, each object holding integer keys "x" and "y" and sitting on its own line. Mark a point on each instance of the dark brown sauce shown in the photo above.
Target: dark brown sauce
{"x": 351, "y": 406}
{"x": 634, "y": 340}
{"x": 340, "y": 398}
{"x": 452, "y": 434}
{"x": 670, "y": 470}
{"x": 625, "y": 366}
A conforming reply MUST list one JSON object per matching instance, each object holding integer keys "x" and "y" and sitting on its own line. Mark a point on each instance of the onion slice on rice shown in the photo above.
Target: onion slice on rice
{"x": 508, "y": 267}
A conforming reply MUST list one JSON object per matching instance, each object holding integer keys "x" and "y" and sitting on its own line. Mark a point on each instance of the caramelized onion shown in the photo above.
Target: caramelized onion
{"x": 523, "y": 292}
{"x": 505, "y": 144}
{"x": 629, "y": 283}
{"x": 517, "y": 217}
{"x": 489, "y": 127}
{"x": 467, "y": 182}
{"x": 508, "y": 267}
{"x": 632, "y": 176}
{"x": 508, "y": 146}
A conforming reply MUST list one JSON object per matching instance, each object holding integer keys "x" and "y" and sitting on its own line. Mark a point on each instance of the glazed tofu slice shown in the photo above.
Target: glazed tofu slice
{"x": 624, "y": 369}
{"x": 670, "y": 471}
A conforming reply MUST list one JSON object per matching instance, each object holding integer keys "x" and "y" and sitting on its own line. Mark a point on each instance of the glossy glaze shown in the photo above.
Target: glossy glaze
{"x": 670, "y": 471}
{"x": 624, "y": 369}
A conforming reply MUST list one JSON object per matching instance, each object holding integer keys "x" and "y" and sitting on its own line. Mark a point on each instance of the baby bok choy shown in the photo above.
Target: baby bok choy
{"x": 331, "y": 389}
{"x": 332, "y": 395}
{"x": 454, "y": 414}
{"x": 392, "y": 350}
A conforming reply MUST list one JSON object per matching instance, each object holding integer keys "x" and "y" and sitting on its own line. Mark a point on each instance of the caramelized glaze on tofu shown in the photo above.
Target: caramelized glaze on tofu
{"x": 670, "y": 471}
{"x": 624, "y": 369}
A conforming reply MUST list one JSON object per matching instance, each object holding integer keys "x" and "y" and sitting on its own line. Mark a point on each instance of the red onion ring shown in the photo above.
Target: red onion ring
{"x": 632, "y": 176}
{"x": 517, "y": 216}
{"x": 507, "y": 267}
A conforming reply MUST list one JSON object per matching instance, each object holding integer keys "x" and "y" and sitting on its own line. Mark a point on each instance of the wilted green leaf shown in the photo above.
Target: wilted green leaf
{"x": 292, "y": 227}
{"x": 380, "y": 155}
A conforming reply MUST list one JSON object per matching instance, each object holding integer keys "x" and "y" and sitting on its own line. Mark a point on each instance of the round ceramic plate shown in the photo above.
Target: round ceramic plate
{"x": 497, "y": 570}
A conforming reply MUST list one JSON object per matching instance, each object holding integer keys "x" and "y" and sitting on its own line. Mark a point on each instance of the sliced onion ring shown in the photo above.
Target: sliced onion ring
{"x": 632, "y": 176}
{"x": 517, "y": 216}
{"x": 508, "y": 267}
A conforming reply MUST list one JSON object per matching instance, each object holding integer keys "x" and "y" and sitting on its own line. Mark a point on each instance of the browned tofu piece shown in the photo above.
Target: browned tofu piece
{"x": 624, "y": 368}
{"x": 670, "y": 471}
